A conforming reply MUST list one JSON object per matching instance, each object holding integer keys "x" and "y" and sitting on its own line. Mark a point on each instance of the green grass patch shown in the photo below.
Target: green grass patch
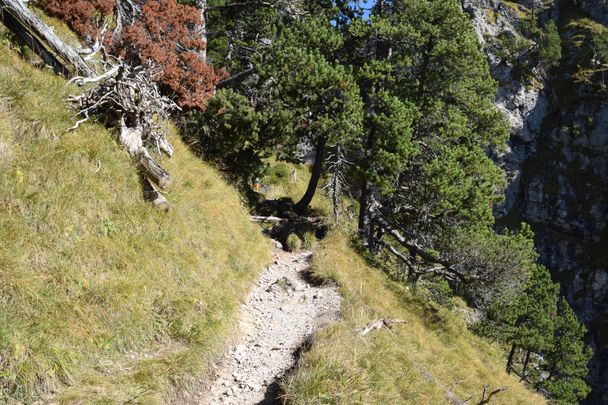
{"x": 294, "y": 243}
{"x": 521, "y": 11}
{"x": 104, "y": 299}
{"x": 416, "y": 363}
{"x": 491, "y": 15}
{"x": 577, "y": 29}
{"x": 290, "y": 180}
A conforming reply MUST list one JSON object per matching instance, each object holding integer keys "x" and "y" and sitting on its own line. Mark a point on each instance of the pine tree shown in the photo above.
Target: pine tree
{"x": 309, "y": 99}
{"x": 550, "y": 46}
{"x": 527, "y": 321}
{"x": 387, "y": 148}
{"x": 425, "y": 56}
{"x": 228, "y": 132}
{"x": 499, "y": 264}
{"x": 546, "y": 330}
{"x": 238, "y": 30}
{"x": 565, "y": 360}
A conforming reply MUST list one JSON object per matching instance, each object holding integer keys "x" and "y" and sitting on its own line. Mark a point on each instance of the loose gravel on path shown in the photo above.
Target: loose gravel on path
{"x": 282, "y": 312}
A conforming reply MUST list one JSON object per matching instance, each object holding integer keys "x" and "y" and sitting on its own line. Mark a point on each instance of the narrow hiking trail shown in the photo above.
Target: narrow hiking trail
{"x": 283, "y": 310}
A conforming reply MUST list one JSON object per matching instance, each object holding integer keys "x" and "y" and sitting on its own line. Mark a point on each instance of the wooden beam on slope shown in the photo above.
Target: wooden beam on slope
{"x": 33, "y": 32}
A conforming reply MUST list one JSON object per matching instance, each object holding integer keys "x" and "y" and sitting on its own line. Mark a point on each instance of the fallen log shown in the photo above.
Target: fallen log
{"x": 154, "y": 171}
{"x": 270, "y": 219}
{"x": 38, "y": 36}
{"x": 152, "y": 194}
{"x": 25, "y": 38}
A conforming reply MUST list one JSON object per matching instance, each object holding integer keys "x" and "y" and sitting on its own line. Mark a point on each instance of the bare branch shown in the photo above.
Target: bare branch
{"x": 270, "y": 219}
{"x": 98, "y": 45}
{"x": 486, "y": 400}
{"x": 128, "y": 98}
{"x": 380, "y": 324}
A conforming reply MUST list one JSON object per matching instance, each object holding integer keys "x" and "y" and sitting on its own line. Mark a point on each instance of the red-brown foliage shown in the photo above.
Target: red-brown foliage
{"x": 165, "y": 33}
{"x": 82, "y": 16}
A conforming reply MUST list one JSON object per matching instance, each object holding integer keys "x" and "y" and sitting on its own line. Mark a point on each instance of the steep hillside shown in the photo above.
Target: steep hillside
{"x": 105, "y": 299}
{"x": 102, "y": 297}
{"x": 431, "y": 359}
{"x": 557, "y": 158}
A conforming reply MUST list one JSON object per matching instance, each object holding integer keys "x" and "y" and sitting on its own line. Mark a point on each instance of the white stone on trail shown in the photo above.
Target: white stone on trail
{"x": 282, "y": 311}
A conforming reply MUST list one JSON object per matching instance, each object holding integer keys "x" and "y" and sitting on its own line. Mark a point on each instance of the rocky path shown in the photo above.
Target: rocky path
{"x": 282, "y": 312}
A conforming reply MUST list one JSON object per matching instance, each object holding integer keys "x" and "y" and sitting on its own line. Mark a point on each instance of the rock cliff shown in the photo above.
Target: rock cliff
{"x": 557, "y": 161}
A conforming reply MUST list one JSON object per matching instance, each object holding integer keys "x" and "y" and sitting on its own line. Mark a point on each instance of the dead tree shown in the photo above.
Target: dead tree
{"x": 337, "y": 164}
{"x": 124, "y": 97}
{"x": 202, "y": 27}
{"x": 31, "y": 31}
{"x": 128, "y": 98}
{"x": 125, "y": 13}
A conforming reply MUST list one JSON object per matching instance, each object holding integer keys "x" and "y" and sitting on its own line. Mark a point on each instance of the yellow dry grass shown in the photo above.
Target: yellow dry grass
{"x": 416, "y": 363}
{"x": 104, "y": 299}
{"x": 281, "y": 183}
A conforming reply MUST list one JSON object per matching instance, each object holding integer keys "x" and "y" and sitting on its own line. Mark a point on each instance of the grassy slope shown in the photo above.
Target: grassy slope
{"x": 416, "y": 364}
{"x": 102, "y": 297}
{"x": 281, "y": 184}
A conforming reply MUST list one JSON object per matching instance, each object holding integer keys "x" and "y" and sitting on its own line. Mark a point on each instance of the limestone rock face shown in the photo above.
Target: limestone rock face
{"x": 523, "y": 102}
{"x": 565, "y": 198}
{"x": 557, "y": 167}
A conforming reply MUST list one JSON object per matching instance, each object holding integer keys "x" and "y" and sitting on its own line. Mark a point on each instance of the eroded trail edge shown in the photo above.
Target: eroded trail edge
{"x": 284, "y": 310}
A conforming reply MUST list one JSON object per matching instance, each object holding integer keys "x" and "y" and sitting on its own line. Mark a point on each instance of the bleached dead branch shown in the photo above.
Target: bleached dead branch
{"x": 128, "y": 99}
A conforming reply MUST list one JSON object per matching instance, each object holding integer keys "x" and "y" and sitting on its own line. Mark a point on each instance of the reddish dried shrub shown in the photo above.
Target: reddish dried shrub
{"x": 82, "y": 16}
{"x": 165, "y": 33}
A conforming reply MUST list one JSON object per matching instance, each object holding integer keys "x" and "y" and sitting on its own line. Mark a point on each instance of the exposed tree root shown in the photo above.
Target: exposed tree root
{"x": 128, "y": 98}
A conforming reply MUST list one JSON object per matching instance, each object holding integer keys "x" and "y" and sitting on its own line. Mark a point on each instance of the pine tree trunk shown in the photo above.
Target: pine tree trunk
{"x": 510, "y": 361}
{"x": 365, "y": 220}
{"x": 334, "y": 196}
{"x": 525, "y": 370}
{"x": 378, "y": 233}
{"x": 317, "y": 168}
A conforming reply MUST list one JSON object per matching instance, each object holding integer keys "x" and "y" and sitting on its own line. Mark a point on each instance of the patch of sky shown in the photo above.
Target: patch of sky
{"x": 367, "y": 6}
